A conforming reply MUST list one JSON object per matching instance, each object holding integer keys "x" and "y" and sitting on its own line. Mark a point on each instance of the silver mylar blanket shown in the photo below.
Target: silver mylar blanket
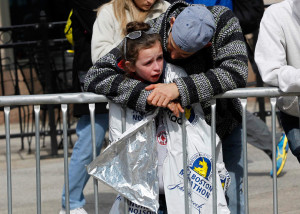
{"x": 129, "y": 164}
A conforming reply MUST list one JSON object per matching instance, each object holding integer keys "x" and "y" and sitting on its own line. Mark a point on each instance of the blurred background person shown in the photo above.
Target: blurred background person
{"x": 83, "y": 18}
{"x": 277, "y": 56}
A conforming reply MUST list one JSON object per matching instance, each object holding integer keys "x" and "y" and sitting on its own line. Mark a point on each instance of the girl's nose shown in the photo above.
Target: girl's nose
{"x": 151, "y": 1}
{"x": 156, "y": 66}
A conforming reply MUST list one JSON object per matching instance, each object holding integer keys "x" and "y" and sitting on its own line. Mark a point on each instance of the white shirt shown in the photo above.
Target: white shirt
{"x": 277, "y": 52}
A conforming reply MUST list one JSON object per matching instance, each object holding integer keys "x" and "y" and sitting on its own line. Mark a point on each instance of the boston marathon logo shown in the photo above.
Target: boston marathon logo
{"x": 225, "y": 179}
{"x": 199, "y": 175}
{"x": 190, "y": 115}
{"x": 201, "y": 164}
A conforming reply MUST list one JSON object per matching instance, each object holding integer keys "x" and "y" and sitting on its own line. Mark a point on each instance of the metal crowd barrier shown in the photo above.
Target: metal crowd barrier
{"x": 65, "y": 99}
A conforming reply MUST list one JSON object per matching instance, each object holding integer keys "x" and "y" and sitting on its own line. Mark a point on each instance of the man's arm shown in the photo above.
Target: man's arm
{"x": 230, "y": 62}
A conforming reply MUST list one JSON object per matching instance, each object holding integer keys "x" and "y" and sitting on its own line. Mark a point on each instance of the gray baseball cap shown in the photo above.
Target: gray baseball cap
{"x": 193, "y": 28}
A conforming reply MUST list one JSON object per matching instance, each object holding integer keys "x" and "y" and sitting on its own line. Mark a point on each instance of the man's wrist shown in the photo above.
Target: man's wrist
{"x": 177, "y": 94}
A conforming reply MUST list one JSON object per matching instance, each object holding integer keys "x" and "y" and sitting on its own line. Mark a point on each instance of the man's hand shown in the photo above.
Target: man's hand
{"x": 175, "y": 107}
{"x": 162, "y": 94}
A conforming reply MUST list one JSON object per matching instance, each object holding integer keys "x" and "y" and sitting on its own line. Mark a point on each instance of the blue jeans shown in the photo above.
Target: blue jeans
{"x": 82, "y": 155}
{"x": 233, "y": 159}
{"x": 290, "y": 125}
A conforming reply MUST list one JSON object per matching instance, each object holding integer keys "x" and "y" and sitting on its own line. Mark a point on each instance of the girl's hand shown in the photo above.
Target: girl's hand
{"x": 162, "y": 94}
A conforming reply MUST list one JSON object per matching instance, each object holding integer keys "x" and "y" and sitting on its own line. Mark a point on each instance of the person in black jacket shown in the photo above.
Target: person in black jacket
{"x": 83, "y": 18}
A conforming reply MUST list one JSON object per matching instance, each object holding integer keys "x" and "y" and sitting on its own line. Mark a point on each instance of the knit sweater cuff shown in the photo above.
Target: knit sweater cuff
{"x": 183, "y": 92}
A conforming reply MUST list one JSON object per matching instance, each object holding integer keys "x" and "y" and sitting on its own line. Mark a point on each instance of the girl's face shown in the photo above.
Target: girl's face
{"x": 149, "y": 63}
{"x": 144, "y": 5}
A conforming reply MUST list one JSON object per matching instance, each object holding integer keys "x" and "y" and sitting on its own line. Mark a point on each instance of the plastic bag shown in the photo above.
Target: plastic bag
{"x": 129, "y": 165}
{"x": 199, "y": 167}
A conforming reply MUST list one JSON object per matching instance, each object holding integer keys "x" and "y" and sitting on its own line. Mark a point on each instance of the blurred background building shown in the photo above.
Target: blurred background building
{"x": 34, "y": 60}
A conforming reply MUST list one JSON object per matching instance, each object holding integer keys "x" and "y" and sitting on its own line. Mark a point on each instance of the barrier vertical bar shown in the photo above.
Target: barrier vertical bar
{"x": 185, "y": 166}
{"x": 123, "y": 113}
{"x": 1, "y": 76}
{"x": 64, "y": 108}
{"x": 245, "y": 157}
{"x": 92, "y": 116}
{"x": 213, "y": 153}
{"x": 37, "y": 154}
{"x": 299, "y": 108}
{"x": 153, "y": 134}
{"x": 273, "y": 101}
{"x": 8, "y": 158}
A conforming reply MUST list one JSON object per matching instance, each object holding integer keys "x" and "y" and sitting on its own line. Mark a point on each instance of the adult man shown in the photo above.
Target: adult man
{"x": 215, "y": 67}
{"x": 277, "y": 57}
{"x": 249, "y": 13}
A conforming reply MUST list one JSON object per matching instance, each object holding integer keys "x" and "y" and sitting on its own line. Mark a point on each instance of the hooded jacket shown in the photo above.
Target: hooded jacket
{"x": 277, "y": 51}
{"x": 213, "y": 70}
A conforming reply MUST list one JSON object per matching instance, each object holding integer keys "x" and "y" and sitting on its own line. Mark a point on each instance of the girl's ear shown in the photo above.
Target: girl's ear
{"x": 172, "y": 20}
{"x": 130, "y": 67}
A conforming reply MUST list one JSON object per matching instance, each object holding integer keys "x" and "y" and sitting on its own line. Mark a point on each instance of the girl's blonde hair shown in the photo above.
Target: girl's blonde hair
{"x": 120, "y": 7}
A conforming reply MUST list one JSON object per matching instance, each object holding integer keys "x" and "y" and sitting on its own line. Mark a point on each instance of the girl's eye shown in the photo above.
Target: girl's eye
{"x": 148, "y": 63}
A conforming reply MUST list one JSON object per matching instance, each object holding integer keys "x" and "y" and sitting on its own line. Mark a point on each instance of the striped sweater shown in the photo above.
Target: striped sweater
{"x": 215, "y": 69}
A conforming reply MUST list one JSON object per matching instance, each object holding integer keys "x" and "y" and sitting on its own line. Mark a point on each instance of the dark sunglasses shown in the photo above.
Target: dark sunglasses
{"x": 133, "y": 35}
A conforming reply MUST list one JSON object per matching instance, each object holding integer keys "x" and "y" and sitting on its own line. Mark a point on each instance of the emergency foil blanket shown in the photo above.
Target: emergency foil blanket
{"x": 129, "y": 165}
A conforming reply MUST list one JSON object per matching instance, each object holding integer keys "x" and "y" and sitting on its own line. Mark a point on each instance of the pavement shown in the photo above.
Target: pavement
{"x": 52, "y": 179}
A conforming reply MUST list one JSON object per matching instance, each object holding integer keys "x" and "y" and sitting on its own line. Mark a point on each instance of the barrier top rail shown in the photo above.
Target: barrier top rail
{"x": 64, "y": 98}
{"x": 87, "y": 97}
{"x": 256, "y": 92}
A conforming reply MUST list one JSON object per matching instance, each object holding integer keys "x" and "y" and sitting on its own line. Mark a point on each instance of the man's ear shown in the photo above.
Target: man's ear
{"x": 172, "y": 20}
{"x": 130, "y": 67}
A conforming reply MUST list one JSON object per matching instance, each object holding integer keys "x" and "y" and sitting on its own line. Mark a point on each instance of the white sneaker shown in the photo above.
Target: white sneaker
{"x": 75, "y": 211}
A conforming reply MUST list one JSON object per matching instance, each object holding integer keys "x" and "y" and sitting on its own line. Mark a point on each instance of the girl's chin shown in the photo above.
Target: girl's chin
{"x": 146, "y": 7}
